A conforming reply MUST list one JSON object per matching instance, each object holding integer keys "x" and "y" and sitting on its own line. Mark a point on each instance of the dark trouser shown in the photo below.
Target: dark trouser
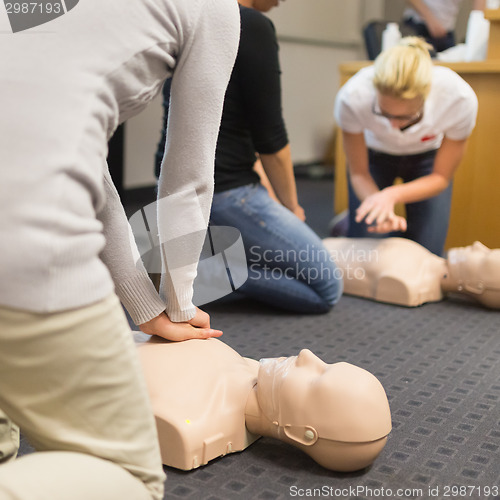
{"x": 427, "y": 219}
{"x": 439, "y": 44}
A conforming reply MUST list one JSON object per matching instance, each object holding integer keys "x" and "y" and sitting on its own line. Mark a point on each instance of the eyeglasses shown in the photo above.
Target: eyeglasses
{"x": 403, "y": 118}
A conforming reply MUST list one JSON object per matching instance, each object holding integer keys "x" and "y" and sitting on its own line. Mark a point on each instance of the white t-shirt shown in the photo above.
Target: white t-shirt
{"x": 450, "y": 110}
{"x": 445, "y": 11}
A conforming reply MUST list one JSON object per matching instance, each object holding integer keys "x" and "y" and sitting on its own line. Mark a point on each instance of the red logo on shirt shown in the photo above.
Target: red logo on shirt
{"x": 426, "y": 138}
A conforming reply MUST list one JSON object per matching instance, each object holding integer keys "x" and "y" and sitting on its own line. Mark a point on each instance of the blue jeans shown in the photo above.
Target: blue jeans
{"x": 288, "y": 266}
{"x": 427, "y": 219}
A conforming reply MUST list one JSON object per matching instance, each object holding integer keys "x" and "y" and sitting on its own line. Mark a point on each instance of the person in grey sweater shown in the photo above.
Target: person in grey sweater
{"x": 68, "y": 372}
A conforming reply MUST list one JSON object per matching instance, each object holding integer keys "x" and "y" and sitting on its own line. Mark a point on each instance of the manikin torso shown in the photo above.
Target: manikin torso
{"x": 207, "y": 398}
{"x": 400, "y": 271}
{"x": 199, "y": 391}
{"x": 393, "y": 270}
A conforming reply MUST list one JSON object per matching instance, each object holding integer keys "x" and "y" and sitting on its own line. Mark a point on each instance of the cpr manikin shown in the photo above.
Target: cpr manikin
{"x": 209, "y": 401}
{"x": 400, "y": 271}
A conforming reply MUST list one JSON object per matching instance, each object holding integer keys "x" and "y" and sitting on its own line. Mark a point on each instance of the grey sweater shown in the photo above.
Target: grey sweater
{"x": 64, "y": 88}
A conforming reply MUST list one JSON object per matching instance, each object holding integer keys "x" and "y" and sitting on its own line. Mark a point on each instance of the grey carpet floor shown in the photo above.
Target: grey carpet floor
{"x": 440, "y": 366}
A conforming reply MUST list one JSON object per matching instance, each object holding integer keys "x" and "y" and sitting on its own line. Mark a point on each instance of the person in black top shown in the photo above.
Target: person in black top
{"x": 288, "y": 266}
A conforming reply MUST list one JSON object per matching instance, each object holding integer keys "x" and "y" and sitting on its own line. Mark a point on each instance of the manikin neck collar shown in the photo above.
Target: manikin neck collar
{"x": 272, "y": 372}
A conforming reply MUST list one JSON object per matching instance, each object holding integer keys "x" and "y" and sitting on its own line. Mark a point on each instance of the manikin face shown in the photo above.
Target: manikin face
{"x": 297, "y": 373}
{"x": 401, "y": 113}
{"x": 477, "y": 268}
{"x": 331, "y": 400}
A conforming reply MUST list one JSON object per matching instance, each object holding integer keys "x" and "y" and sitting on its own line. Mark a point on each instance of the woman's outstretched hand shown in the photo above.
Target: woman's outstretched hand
{"x": 196, "y": 328}
{"x": 377, "y": 211}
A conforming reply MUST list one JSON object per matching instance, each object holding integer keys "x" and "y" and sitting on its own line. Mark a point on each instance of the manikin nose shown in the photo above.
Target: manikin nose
{"x": 307, "y": 358}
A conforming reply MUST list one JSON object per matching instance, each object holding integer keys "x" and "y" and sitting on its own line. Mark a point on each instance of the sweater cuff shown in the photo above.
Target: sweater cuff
{"x": 179, "y": 302}
{"x": 140, "y": 298}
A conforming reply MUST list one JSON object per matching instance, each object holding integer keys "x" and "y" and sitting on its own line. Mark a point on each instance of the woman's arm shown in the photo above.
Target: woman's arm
{"x": 357, "y": 160}
{"x": 435, "y": 28}
{"x": 121, "y": 256}
{"x": 447, "y": 160}
{"x": 377, "y": 207}
{"x": 277, "y": 165}
{"x": 132, "y": 283}
{"x": 279, "y": 170}
{"x": 259, "y": 170}
{"x": 186, "y": 180}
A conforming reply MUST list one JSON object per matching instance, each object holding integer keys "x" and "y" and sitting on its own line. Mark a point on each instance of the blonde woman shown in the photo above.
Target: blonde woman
{"x": 404, "y": 118}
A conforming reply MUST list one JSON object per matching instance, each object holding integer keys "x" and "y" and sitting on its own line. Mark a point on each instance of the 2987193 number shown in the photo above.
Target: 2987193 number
{"x": 467, "y": 491}
{"x": 33, "y": 8}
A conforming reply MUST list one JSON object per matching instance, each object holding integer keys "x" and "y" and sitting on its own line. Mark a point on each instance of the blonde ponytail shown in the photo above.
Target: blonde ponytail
{"x": 405, "y": 70}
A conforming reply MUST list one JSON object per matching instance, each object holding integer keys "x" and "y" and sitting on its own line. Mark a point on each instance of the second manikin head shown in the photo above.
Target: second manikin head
{"x": 475, "y": 271}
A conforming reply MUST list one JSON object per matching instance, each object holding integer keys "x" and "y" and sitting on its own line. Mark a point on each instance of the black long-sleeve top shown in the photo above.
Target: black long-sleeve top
{"x": 252, "y": 120}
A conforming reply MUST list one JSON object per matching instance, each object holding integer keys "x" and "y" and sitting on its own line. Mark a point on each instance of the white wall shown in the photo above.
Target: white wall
{"x": 310, "y": 82}
{"x": 315, "y": 37}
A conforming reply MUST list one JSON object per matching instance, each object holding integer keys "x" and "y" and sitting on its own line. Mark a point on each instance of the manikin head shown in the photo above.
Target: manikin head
{"x": 475, "y": 271}
{"x": 337, "y": 413}
{"x": 402, "y": 79}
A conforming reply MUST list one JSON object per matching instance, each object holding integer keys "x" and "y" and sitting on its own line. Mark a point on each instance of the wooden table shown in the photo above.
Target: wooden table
{"x": 493, "y": 16}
